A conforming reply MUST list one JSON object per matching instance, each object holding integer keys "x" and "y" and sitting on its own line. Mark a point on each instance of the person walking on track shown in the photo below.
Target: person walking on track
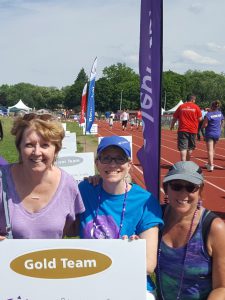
{"x": 213, "y": 123}
{"x": 188, "y": 116}
{"x": 124, "y": 119}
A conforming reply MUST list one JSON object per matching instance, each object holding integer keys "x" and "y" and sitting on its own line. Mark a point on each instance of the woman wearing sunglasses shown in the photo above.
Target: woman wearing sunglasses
{"x": 115, "y": 208}
{"x": 191, "y": 255}
{"x": 42, "y": 200}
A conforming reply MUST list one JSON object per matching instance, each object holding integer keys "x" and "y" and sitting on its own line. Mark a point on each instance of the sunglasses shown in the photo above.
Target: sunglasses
{"x": 43, "y": 117}
{"x": 119, "y": 160}
{"x": 190, "y": 187}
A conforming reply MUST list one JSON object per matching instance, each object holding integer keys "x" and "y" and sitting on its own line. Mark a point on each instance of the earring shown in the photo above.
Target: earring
{"x": 199, "y": 204}
{"x": 166, "y": 201}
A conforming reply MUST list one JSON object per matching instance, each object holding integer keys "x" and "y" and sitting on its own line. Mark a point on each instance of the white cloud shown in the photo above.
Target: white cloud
{"x": 215, "y": 47}
{"x": 196, "y": 8}
{"x": 199, "y": 59}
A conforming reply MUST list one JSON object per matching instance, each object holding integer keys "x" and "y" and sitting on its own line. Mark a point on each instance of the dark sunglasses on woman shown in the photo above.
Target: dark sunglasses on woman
{"x": 189, "y": 187}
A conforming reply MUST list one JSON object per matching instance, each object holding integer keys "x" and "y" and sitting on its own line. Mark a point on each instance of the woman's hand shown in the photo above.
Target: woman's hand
{"x": 2, "y": 237}
{"x": 131, "y": 238}
{"x": 94, "y": 180}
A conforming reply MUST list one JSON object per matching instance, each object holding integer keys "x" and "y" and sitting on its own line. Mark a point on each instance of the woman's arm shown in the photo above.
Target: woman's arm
{"x": 216, "y": 247}
{"x": 151, "y": 237}
{"x": 174, "y": 120}
{"x": 72, "y": 229}
{"x": 205, "y": 123}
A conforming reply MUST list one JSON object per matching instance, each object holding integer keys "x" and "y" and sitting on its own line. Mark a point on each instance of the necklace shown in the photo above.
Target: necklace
{"x": 184, "y": 260}
{"x": 35, "y": 197}
{"x": 96, "y": 227}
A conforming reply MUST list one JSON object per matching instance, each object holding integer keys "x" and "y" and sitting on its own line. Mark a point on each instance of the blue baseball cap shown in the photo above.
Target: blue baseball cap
{"x": 117, "y": 141}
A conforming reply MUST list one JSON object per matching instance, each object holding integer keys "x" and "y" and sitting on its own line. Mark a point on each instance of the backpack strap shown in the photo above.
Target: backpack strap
{"x": 5, "y": 205}
{"x": 207, "y": 218}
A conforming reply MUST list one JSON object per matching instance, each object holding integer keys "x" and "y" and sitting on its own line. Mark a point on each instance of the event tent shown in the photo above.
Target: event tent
{"x": 19, "y": 106}
{"x": 172, "y": 110}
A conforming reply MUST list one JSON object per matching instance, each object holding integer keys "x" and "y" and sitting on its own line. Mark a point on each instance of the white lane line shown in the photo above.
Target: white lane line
{"x": 202, "y": 160}
{"x": 174, "y": 142}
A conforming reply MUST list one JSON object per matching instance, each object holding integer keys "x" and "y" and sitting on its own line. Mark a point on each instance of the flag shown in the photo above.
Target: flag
{"x": 83, "y": 104}
{"x": 90, "y": 117}
{"x": 150, "y": 68}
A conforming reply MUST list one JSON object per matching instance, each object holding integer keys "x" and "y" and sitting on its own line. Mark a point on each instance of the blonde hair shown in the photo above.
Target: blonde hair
{"x": 49, "y": 128}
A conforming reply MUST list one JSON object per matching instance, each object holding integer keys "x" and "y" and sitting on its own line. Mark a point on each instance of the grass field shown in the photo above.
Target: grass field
{"x": 9, "y": 152}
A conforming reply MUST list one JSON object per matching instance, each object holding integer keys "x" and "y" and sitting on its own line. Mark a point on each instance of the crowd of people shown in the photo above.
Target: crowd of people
{"x": 185, "y": 242}
{"x": 134, "y": 120}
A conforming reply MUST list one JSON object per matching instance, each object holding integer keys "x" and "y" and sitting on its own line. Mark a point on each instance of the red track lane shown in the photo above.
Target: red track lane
{"x": 214, "y": 197}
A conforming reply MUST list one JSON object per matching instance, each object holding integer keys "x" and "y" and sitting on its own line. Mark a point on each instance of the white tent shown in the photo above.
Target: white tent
{"x": 172, "y": 110}
{"x": 162, "y": 111}
{"x": 19, "y": 106}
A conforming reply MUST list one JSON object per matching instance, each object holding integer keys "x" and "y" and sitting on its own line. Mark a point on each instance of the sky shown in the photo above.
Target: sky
{"x": 47, "y": 42}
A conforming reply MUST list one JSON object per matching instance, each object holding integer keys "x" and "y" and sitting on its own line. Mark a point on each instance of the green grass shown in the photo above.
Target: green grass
{"x": 8, "y": 149}
{"x": 7, "y": 146}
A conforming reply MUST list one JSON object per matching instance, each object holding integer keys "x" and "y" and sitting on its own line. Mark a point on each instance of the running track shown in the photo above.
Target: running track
{"x": 214, "y": 191}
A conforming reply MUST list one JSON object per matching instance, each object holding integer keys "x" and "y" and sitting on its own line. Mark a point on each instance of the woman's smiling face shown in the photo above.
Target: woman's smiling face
{"x": 36, "y": 153}
{"x": 182, "y": 196}
{"x": 116, "y": 170}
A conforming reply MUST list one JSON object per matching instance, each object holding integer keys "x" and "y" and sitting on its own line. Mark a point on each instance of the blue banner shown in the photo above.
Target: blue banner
{"x": 150, "y": 68}
{"x": 90, "y": 116}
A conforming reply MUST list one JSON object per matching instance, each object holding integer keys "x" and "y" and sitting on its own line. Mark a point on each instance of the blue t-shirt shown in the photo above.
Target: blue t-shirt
{"x": 142, "y": 212}
{"x": 213, "y": 130}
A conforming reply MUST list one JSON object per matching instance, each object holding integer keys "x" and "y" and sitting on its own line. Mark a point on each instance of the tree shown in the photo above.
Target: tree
{"x": 73, "y": 93}
{"x": 174, "y": 89}
{"x": 119, "y": 82}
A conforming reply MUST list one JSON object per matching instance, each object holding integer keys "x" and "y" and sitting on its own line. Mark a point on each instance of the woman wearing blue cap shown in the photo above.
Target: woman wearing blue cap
{"x": 191, "y": 255}
{"x": 116, "y": 208}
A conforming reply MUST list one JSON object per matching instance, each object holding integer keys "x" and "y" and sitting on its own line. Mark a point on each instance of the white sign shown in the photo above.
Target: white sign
{"x": 64, "y": 126}
{"x": 94, "y": 129}
{"x": 79, "y": 165}
{"x": 128, "y": 137}
{"x": 72, "y": 269}
{"x": 70, "y": 142}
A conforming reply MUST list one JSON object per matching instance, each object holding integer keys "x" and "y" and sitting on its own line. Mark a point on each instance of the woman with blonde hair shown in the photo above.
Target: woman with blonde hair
{"x": 213, "y": 124}
{"x": 42, "y": 200}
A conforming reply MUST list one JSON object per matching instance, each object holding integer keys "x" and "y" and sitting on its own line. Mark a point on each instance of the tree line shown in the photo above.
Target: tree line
{"x": 119, "y": 87}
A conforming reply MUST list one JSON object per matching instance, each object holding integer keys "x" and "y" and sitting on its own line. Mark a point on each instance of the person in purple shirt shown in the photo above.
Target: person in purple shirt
{"x": 213, "y": 123}
{"x": 43, "y": 200}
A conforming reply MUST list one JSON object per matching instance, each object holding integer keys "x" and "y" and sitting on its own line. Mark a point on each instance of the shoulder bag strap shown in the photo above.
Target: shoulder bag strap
{"x": 5, "y": 204}
{"x": 208, "y": 217}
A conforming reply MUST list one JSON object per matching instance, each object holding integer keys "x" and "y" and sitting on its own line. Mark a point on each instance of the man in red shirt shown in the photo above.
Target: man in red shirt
{"x": 188, "y": 116}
